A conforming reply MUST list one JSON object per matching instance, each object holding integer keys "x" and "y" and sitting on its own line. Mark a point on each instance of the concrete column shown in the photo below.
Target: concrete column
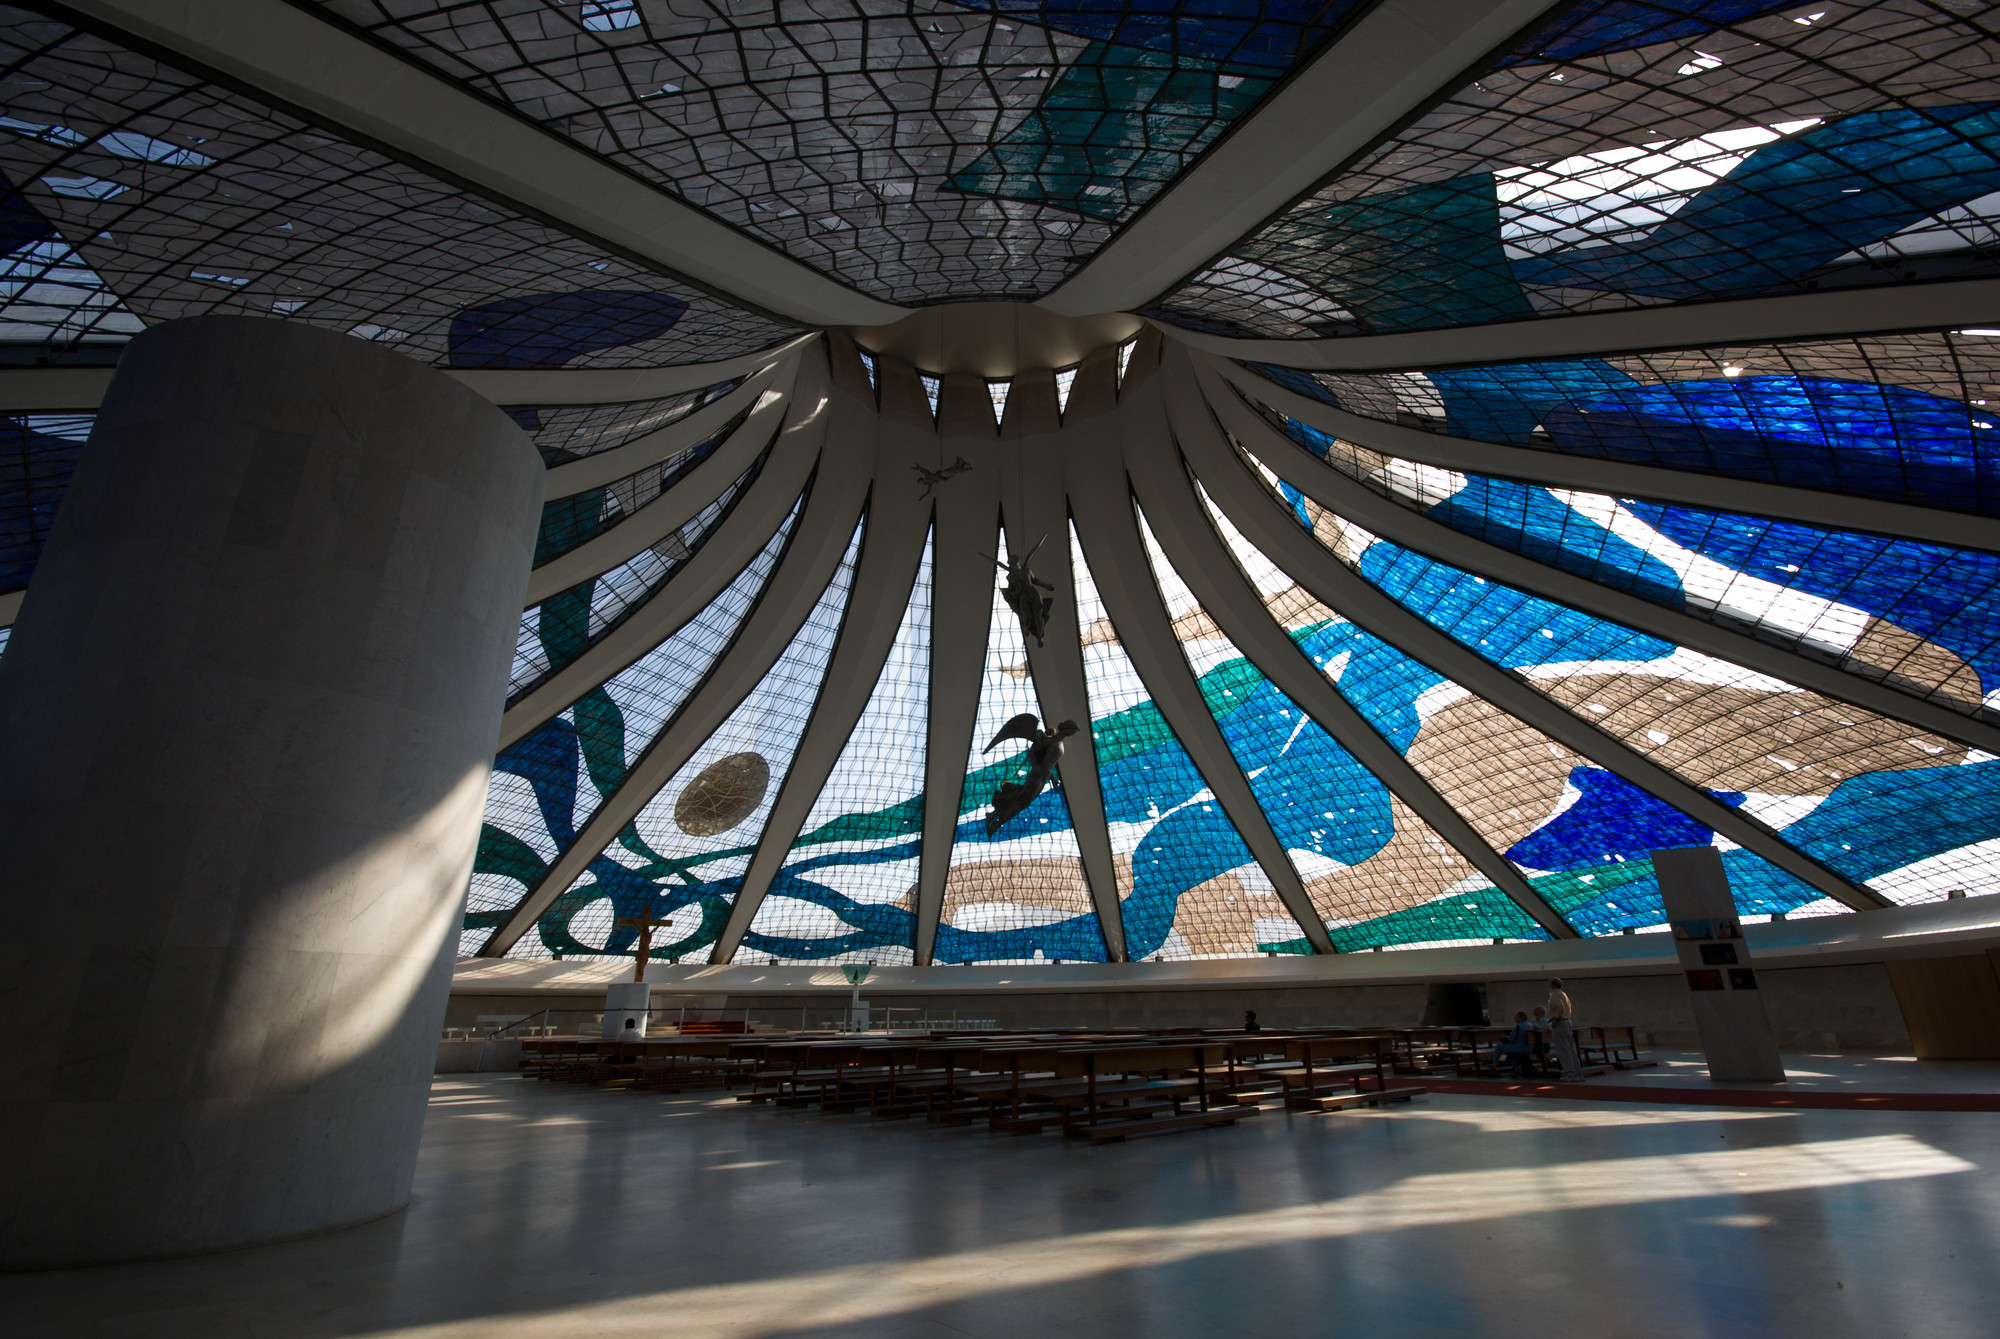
{"x": 245, "y": 723}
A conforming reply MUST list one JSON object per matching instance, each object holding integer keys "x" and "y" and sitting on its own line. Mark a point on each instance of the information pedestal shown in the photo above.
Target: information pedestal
{"x": 1722, "y": 985}
{"x": 623, "y": 1000}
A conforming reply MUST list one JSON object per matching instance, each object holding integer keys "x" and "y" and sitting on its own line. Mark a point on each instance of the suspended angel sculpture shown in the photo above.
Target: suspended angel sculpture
{"x": 932, "y": 478}
{"x": 1045, "y": 750}
{"x": 1029, "y": 604}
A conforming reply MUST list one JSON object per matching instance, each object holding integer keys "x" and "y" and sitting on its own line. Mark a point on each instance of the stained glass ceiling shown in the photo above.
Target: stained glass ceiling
{"x": 1737, "y": 588}
{"x": 921, "y": 152}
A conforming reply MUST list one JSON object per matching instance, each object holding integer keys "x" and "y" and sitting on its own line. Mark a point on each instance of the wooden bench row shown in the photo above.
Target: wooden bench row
{"x": 1093, "y": 1085}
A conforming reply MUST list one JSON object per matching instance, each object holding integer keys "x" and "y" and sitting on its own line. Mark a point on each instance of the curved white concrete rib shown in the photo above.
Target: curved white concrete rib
{"x": 966, "y": 516}
{"x": 79, "y": 389}
{"x": 43, "y": 390}
{"x": 1101, "y": 497}
{"x": 1267, "y": 524}
{"x": 1398, "y": 56}
{"x": 817, "y": 546}
{"x": 1883, "y": 309}
{"x": 608, "y": 467}
{"x": 1198, "y": 554}
{"x": 669, "y": 511}
{"x": 891, "y": 551}
{"x": 723, "y": 555}
{"x": 1556, "y": 469}
{"x": 1034, "y": 504}
{"x": 1386, "y": 517}
{"x": 285, "y": 53}
{"x": 556, "y": 386}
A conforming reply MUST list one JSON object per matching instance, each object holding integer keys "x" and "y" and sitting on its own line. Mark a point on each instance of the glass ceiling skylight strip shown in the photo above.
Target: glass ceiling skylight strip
{"x": 1463, "y": 746}
{"x": 969, "y": 150}
{"x": 184, "y": 199}
{"x": 546, "y": 786}
{"x": 1376, "y": 872}
{"x": 1807, "y": 767}
{"x": 38, "y": 453}
{"x": 1519, "y": 789}
{"x": 564, "y": 433}
{"x": 1017, "y": 894}
{"x": 687, "y": 850}
{"x": 1904, "y": 418}
{"x": 1187, "y": 884}
{"x": 563, "y": 627}
{"x": 1924, "y": 618}
{"x": 568, "y": 522}
{"x": 847, "y": 892}
{"x": 1635, "y": 154}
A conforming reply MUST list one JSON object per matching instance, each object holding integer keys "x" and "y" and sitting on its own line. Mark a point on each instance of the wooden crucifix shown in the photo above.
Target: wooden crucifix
{"x": 645, "y": 928}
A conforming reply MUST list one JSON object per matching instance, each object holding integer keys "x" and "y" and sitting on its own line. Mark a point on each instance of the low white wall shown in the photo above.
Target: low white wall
{"x": 478, "y": 1056}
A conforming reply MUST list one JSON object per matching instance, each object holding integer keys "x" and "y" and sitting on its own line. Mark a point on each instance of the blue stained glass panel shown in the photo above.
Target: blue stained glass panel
{"x": 38, "y": 454}
{"x": 1268, "y": 33}
{"x": 1871, "y": 440}
{"x": 1194, "y": 889}
{"x": 687, "y": 849}
{"x": 847, "y": 889}
{"x": 1017, "y": 893}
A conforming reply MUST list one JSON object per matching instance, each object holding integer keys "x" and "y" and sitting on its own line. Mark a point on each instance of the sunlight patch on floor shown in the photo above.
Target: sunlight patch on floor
{"x": 860, "y": 1294}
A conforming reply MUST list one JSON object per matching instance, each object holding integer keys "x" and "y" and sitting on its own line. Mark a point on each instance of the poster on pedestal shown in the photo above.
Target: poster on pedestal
{"x": 626, "y": 1002}
{"x": 1722, "y": 984}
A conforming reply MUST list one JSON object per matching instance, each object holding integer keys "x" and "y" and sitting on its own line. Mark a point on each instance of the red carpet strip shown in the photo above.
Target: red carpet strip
{"x": 1774, "y": 1096}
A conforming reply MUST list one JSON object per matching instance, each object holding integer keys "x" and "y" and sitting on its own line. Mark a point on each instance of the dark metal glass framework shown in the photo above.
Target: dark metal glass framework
{"x": 1638, "y": 152}
{"x": 1364, "y": 650}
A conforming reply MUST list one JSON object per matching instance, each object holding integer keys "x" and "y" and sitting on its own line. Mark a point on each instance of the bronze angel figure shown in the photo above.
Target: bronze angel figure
{"x": 1028, "y": 603}
{"x": 930, "y": 479}
{"x": 1045, "y": 749}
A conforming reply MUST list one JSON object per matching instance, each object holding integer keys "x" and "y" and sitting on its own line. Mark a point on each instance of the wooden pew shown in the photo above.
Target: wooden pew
{"x": 1419, "y": 1050}
{"x": 1114, "y": 1091}
{"x": 1248, "y": 1075}
{"x": 1363, "y": 1064}
{"x": 1616, "y": 1047}
{"x": 1013, "y": 1067}
{"x": 675, "y": 1064}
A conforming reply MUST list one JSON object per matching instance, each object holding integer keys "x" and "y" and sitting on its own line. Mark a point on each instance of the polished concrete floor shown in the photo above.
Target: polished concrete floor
{"x": 1837, "y": 1071}
{"x": 550, "y": 1211}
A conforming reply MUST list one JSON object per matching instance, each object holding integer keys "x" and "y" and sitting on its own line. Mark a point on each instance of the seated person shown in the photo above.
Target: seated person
{"x": 1511, "y": 1052}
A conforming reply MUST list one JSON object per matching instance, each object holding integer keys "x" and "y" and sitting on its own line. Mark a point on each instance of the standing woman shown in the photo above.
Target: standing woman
{"x": 1562, "y": 1032}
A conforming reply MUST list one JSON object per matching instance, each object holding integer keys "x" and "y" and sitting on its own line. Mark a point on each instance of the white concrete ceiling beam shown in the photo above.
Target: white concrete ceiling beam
{"x": 1244, "y": 498}
{"x": 723, "y": 555}
{"x": 966, "y": 519}
{"x": 50, "y": 390}
{"x": 1386, "y": 67}
{"x": 1033, "y": 505}
{"x": 1618, "y": 478}
{"x": 551, "y": 387}
{"x": 891, "y": 552}
{"x": 608, "y": 467}
{"x": 53, "y": 390}
{"x": 666, "y": 513}
{"x": 1101, "y": 497}
{"x": 297, "y": 60}
{"x": 1945, "y": 304}
{"x": 1348, "y": 497}
{"x": 1181, "y": 524}
{"x": 818, "y": 543}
